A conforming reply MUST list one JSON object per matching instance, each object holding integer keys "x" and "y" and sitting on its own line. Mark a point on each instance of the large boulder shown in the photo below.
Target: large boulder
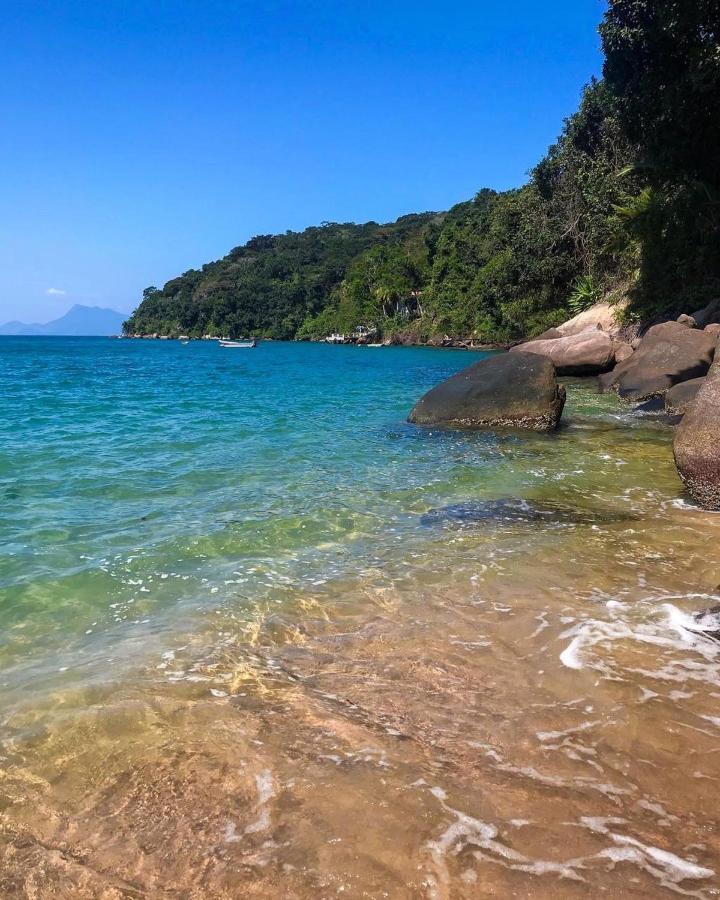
{"x": 696, "y": 445}
{"x": 601, "y": 316}
{"x": 667, "y": 355}
{"x": 586, "y": 353}
{"x": 505, "y": 390}
{"x": 679, "y": 398}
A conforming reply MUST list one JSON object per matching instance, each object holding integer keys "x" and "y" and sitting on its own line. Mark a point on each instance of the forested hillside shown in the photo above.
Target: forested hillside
{"x": 625, "y": 203}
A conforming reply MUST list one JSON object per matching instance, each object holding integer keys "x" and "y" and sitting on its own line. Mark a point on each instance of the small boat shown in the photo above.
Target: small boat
{"x": 375, "y": 345}
{"x": 184, "y": 343}
{"x": 239, "y": 345}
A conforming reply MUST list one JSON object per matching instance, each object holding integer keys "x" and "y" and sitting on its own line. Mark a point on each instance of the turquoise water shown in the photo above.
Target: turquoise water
{"x": 146, "y": 484}
{"x": 147, "y": 481}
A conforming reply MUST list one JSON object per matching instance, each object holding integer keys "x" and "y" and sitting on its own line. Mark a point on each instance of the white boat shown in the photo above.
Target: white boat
{"x": 239, "y": 345}
{"x": 375, "y": 345}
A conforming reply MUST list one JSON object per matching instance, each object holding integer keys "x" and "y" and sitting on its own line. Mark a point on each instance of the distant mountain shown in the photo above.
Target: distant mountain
{"x": 80, "y": 321}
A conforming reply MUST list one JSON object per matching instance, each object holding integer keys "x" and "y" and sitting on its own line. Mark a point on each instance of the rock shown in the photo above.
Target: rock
{"x": 512, "y": 510}
{"x": 622, "y": 350}
{"x": 688, "y": 321}
{"x": 678, "y": 398}
{"x": 651, "y": 407}
{"x": 448, "y": 342}
{"x": 696, "y": 445}
{"x": 602, "y": 316}
{"x": 714, "y": 328}
{"x": 667, "y": 355}
{"x": 548, "y": 335}
{"x": 706, "y": 623}
{"x": 513, "y": 390}
{"x": 606, "y": 381}
{"x": 709, "y": 314}
{"x": 403, "y": 338}
{"x": 586, "y": 353}
{"x": 635, "y": 342}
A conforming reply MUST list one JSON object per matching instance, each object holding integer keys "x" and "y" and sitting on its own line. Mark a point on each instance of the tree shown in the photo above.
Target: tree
{"x": 662, "y": 63}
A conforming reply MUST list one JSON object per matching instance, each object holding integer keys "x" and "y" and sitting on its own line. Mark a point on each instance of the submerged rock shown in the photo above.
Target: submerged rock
{"x": 668, "y": 354}
{"x": 515, "y": 509}
{"x": 697, "y": 444}
{"x": 586, "y": 353}
{"x": 648, "y": 407}
{"x": 506, "y": 390}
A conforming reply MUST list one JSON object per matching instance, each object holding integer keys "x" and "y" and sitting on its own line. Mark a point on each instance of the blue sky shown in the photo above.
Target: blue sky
{"x": 143, "y": 139}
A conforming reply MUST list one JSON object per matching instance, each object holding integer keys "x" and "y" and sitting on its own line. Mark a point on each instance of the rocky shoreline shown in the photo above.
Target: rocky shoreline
{"x": 400, "y": 339}
{"x": 672, "y": 365}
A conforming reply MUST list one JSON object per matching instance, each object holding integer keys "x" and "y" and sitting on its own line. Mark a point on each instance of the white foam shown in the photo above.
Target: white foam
{"x": 674, "y": 631}
{"x": 466, "y": 830}
{"x": 570, "y": 656}
{"x": 599, "y": 824}
{"x": 230, "y": 835}
{"x": 655, "y": 808}
{"x": 681, "y": 622}
{"x": 675, "y": 868}
{"x": 266, "y": 790}
{"x": 559, "y": 735}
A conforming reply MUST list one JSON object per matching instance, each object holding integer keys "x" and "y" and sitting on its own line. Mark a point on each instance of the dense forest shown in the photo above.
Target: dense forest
{"x": 626, "y": 204}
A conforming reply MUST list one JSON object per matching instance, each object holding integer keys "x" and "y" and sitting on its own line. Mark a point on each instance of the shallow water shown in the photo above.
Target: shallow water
{"x": 262, "y": 638}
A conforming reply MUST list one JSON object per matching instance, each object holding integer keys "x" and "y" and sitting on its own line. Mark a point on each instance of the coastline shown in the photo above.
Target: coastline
{"x": 434, "y": 343}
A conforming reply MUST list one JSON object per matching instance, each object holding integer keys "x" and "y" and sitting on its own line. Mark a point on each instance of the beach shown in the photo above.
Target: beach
{"x": 261, "y": 637}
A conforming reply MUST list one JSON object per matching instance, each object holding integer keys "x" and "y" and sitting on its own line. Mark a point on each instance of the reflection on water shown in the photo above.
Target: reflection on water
{"x": 483, "y": 683}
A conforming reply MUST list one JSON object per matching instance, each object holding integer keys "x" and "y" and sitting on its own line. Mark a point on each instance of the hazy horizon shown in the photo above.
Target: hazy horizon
{"x": 70, "y": 308}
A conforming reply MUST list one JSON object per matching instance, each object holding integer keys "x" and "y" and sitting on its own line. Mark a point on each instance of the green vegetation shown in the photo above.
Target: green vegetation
{"x": 662, "y": 63}
{"x": 273, "y": 284}
{"x": 626, "y": 202}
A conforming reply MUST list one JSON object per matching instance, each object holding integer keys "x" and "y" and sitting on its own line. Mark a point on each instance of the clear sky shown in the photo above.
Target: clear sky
{"x": 141, "y": 139}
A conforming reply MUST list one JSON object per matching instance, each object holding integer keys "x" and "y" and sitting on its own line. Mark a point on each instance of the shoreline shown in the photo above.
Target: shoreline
{"x": 430, "y": 344}
{"x": 229, "y": 770}
{"x": 474, "y": 642}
